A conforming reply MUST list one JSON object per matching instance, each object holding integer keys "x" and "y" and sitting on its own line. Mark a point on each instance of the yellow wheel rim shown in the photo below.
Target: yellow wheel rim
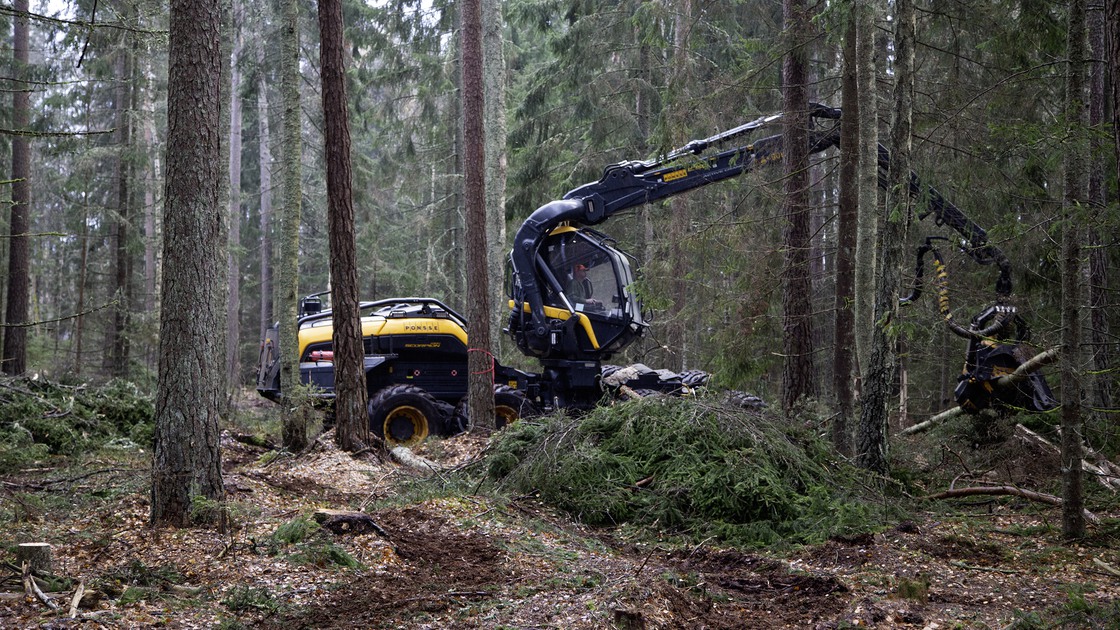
{"x": 405, "y": 426}
{"x": 505, "y": 416}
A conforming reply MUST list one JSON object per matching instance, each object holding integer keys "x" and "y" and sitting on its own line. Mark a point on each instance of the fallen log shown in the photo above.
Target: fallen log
{"x": 1104, "y": 472}
{"x": 1040, "y": 497}
{"x": 404, "y": 455}
{"x": 941, "y": 417}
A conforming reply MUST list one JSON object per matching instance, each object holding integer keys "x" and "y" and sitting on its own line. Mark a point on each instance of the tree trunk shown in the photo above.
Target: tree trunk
{"x": 868, "y": 219}
{"x": 1100, "y": 340}
{"x": 294, "y": 420}
{"x": 186, "y": 460}
{"x": 844, "y": 338}
{"x": 1073, "y": 522}
{"x": 14, "y": 357}
{"x": 797, "y": 326}
{"x": 351, "y": 418}
{"x": 265, "y": 148}
{"x": 122, "y": 266}
{"x": 479, "y": 360}
{"x": 680, "y": 206}
{"x": 494, "y": 73}
{"x": 233, "y": 304}
{"x": 871, "y": 446}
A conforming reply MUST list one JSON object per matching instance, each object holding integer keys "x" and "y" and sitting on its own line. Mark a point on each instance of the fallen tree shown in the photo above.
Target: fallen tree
{"x": 1041, "y": 497}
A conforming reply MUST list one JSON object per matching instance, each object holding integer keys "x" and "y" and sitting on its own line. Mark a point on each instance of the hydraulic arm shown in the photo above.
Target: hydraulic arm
{"x": 633, "y": 183}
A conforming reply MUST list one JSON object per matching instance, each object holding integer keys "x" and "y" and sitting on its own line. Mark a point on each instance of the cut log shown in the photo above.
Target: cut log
{"x": 37, "y": 555}
{"x": 404, "y": 455}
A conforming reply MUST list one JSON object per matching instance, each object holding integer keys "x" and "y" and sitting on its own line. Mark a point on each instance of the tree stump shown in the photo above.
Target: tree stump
{"x": 38, "y": 555}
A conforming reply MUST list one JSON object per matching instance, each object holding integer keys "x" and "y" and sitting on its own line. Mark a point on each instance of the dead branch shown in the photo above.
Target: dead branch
{"x": 32, "y": 589}
{"x": 1032, "y": 495}
{"x": 74, "y": 601}
{"x": 1106, "y": 567}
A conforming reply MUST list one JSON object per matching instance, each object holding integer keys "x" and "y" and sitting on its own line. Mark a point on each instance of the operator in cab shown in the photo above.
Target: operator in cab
{"x": 579, "y": 289}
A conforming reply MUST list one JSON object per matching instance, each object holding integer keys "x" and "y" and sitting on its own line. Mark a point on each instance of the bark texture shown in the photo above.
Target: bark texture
{"x": 846, "y": 247}
{"x": 494, "y": 76}
{"x": 871, "y": 443}
{"x": 18, "y": 306}
{"x": 1073, "y": 521}
{"x": 233, "y": 304}
{"x": 480, "y": 361}
{"x": 187, "y": 460}
{"x": 797, "y": 322}
{"x": 351, "y": 418}
{"x": 118, "y": 355}
{"x": 868, "y": 219}
{"x": 265, "y": 152}
{"x": 294, "y": 420}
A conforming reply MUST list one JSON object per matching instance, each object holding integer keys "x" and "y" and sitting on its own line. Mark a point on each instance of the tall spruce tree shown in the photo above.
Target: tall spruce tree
{"x": 186, "y": 461}
{"x": 871, "y": 438}
{"x": 1073, "y": 521}
{"x": 797, "y": 325}
{"x": 351, "y": 420}
{"x": 17, "y": 310}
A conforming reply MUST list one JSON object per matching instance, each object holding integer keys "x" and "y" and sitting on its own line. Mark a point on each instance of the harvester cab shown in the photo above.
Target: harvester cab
{"x": 587, "y": 296}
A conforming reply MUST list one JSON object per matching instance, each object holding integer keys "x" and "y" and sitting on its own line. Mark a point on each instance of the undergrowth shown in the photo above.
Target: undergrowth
{"x": 691, "y": 467}
{"x": 39, "y": 418}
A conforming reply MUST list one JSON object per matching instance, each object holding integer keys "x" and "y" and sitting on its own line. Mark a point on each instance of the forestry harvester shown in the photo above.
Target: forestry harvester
{"x": 572, "y": 306}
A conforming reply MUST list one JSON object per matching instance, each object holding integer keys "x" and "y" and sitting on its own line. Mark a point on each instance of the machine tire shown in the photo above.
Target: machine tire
{"x": 510, "y": 405}
{"x": 695, "y": 378}
{"x": 403, "y": 415}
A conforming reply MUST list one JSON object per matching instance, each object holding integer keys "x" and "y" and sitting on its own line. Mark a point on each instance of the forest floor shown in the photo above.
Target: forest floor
{"x": 445, "y": 560}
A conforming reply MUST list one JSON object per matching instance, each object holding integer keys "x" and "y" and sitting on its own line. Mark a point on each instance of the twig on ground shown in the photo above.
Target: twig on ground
{"x": 32, "y": 589}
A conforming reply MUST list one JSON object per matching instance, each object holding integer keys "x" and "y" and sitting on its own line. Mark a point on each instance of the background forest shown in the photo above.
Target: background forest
{"x": 587, "y": 83}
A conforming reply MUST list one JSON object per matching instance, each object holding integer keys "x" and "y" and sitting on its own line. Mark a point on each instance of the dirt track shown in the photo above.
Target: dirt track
{"x": 471, "y": 563}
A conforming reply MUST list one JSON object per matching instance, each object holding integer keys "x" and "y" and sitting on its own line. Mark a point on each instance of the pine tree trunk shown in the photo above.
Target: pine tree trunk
{"x": 1073, "y": 521}
{"x": 294, "y": 420}
{"x": 233, "y": 304}
{"x": 797, "y": 322}
{"x": 479, "y": 360}
{"x": 871, "y": 443}
{"x": 187, "y": 460}
{"x": 14, "y": 359}
{"x": 844, "y": 338}
{"x": 351, "y": 418}
{"x": 868, "y": 219}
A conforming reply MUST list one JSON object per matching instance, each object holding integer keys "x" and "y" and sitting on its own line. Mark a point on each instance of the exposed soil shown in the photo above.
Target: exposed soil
{"x": 472, "y": 563}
